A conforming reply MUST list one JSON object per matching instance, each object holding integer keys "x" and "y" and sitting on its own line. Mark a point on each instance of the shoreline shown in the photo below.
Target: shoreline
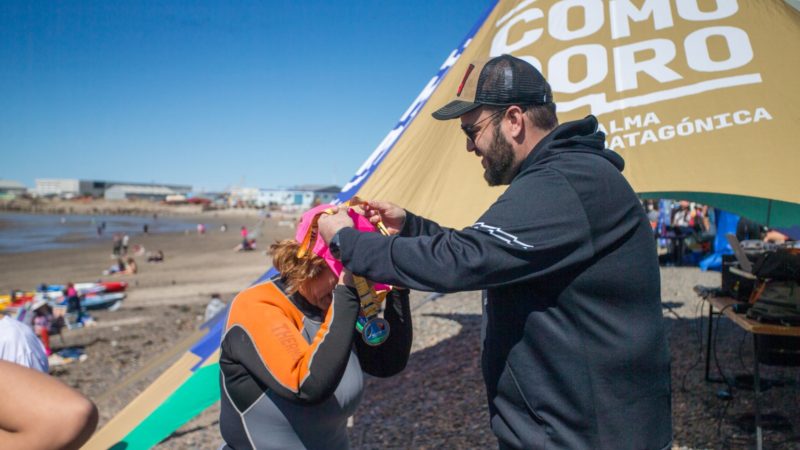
{"x": 129, "y": 208}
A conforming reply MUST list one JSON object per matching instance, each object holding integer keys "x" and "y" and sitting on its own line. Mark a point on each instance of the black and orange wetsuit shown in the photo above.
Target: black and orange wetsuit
{"x": 280, "y": 355}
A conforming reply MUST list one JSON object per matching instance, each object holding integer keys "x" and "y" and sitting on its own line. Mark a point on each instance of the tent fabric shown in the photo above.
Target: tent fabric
{"x": 696, "y": 101}
{"x": 189, "y": 400}
{"x": 701, "y": 103}
{"x": 174, "y": 383}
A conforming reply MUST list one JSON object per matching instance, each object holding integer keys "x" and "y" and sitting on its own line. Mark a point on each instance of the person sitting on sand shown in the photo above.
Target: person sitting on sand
{"x": 291, "y": 360}
{"x": 156, "y": 257}
{"x": 115, "y": 268}
{"x": 130, "y": 267}
{"x": 43, "y": 323}
{"x": 245, "y": 246}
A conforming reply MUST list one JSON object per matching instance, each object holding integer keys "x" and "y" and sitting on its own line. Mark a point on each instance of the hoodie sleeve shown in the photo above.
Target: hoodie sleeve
{"x": 537, "y": 227}
{"x": 419, "y": 226}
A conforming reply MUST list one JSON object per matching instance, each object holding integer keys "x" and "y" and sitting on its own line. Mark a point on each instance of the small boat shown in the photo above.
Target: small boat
{"x": 87, "y": 288}
{"x": 109, "y": 301}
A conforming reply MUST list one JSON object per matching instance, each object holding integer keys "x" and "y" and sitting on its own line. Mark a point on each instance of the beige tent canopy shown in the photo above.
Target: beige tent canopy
{"x": 701, "y": 98}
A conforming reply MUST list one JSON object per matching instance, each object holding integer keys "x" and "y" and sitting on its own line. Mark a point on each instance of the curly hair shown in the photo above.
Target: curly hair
{"x": 295, "y": 271}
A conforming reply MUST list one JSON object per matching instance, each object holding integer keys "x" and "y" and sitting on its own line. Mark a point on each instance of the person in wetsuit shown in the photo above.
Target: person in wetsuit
{"x": 291, "y": 361}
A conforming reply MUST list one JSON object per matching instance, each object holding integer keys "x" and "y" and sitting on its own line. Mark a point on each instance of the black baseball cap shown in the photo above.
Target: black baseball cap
{"x": 500, "y": 81}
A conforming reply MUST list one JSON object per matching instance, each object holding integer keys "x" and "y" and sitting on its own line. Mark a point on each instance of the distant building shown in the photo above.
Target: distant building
{"x": 9, "y": 189}
{"x": 243, "y": 196}
{"x": 303, "y": 196}
{"x": 57, "y": 187}
{"x": 68, "y": 187}
{"x": 137, "y": 192}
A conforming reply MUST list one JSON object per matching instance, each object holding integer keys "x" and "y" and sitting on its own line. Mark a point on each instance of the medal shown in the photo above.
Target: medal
{"x": 373, "y": 331}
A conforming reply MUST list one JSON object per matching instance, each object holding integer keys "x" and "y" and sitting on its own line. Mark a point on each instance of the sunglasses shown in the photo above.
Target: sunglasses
{"x": 473, "y": 131}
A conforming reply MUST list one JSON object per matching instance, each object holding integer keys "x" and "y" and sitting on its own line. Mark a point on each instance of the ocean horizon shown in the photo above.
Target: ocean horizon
{"x": 26, "y": 232}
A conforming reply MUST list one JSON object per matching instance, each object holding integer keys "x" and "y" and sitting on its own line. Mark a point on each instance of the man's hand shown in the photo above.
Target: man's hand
{"x": 330, "y": 224}
{"x": 392, "y": 215}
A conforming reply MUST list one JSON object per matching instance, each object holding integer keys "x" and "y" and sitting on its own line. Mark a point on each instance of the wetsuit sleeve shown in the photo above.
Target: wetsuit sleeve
{"x": 419, "y": 226}
{"x": 265, "y": 337}
{"x": 389, "y": 358}
{"x": 525, "y": 235}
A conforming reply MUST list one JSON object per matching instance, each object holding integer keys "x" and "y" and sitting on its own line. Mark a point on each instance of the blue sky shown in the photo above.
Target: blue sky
{"x": 213, "y": 94}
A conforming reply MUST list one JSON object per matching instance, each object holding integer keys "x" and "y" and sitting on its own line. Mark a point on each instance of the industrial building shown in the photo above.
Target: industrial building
{"x": 113, "y": 190}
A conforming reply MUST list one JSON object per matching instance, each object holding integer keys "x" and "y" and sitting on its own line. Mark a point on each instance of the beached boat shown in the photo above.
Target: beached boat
{"x": 88, "y": 288}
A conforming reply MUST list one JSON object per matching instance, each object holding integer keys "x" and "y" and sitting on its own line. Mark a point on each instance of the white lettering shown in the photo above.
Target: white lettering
{"x": 742, "y": 117}
{"x": 596, "y": 68}
{"x": 761, "y": 113}
{"x": 622, "y": 10}
{"x": 722, "y": 121}
{"x": 616, "y": 142}
{"x": 631, "y": 137}
{"x": 650, "y": 119}
{"x": 626, "y": 68}
{"x": 666, "y": 132}
{"x": 648, "y": 136}
{"x": 500, "y": 44}
{"x": 559, "y": 13}
{"x": 701, "y": 125}
{"x": 635, "y": 121}
{"x": 698, "y": 58}
{"x": 685, "y": 128}
{"x": 690, "y": 10}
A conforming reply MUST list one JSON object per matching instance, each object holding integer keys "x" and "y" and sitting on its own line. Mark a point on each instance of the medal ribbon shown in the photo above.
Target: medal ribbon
{"x": 369, "y": 298}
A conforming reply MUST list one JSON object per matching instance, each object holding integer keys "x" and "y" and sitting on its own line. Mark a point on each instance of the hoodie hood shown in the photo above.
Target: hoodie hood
{"x": 579, "y": 136}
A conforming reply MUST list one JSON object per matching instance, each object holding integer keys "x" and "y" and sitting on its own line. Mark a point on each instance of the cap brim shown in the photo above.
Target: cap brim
{"x": 454, "y": 109}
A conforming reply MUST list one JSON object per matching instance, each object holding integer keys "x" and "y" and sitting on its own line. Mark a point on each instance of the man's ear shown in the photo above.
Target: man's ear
{"x": 516, "y": 122}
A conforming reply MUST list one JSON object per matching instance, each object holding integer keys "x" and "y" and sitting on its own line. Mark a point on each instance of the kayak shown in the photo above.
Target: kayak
{"x": 88, "y": 288}
{"x": 110, "y": 301}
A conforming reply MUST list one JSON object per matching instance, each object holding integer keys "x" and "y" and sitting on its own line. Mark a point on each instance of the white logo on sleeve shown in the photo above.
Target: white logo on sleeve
{"x": 500, "y": 234}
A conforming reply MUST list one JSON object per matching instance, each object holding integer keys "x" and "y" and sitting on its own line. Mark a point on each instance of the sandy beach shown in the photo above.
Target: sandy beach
{"x": 438, "y": 402}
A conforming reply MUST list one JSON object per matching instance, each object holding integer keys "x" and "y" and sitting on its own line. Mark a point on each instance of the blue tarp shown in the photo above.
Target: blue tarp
{"x": 726, "y": 223}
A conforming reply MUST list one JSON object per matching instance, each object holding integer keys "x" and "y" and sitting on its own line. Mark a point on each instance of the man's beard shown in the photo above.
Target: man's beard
{"x": 499, "y": 160}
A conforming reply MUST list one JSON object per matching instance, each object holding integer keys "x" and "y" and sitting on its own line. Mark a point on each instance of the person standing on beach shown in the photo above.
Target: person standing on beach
{"x": 125, "y": 240}
{"x": 575, "y": 354}
{"x": 74, "y": 302}
{"x": 116, "y": 247}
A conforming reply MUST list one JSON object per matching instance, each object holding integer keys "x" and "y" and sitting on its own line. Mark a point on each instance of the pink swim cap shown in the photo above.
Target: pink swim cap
{"x": 320, "y": 247}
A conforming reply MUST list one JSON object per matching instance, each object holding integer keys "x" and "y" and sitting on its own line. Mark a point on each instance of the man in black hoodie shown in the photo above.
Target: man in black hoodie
{"x": 574, "y": 352}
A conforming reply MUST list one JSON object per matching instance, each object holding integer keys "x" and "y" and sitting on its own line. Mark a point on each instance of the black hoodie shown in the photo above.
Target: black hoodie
{"x": 574, "y": 352}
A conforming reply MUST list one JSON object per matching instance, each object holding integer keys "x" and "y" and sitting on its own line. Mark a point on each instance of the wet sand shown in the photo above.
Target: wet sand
{"x": 165, "y": 303}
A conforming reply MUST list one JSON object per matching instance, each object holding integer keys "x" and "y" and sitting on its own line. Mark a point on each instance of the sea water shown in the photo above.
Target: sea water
{"x": 20, "y": 232}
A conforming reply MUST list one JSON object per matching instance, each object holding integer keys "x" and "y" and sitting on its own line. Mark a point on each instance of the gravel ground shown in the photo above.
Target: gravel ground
{"x": 439, "y": 400}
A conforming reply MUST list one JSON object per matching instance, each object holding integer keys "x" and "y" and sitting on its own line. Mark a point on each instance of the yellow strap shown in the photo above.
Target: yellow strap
{"x": 370, "y": 299}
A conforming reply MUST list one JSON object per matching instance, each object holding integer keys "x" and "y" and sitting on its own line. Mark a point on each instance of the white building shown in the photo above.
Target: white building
{"x": 57, "y": 186}
{"x": 10, "y": 189}
{"x": 243, "y": 196}
{"x": 299, "y": 196}
{"x": 68, "y": 187}
{"x": 136, "y": 192}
